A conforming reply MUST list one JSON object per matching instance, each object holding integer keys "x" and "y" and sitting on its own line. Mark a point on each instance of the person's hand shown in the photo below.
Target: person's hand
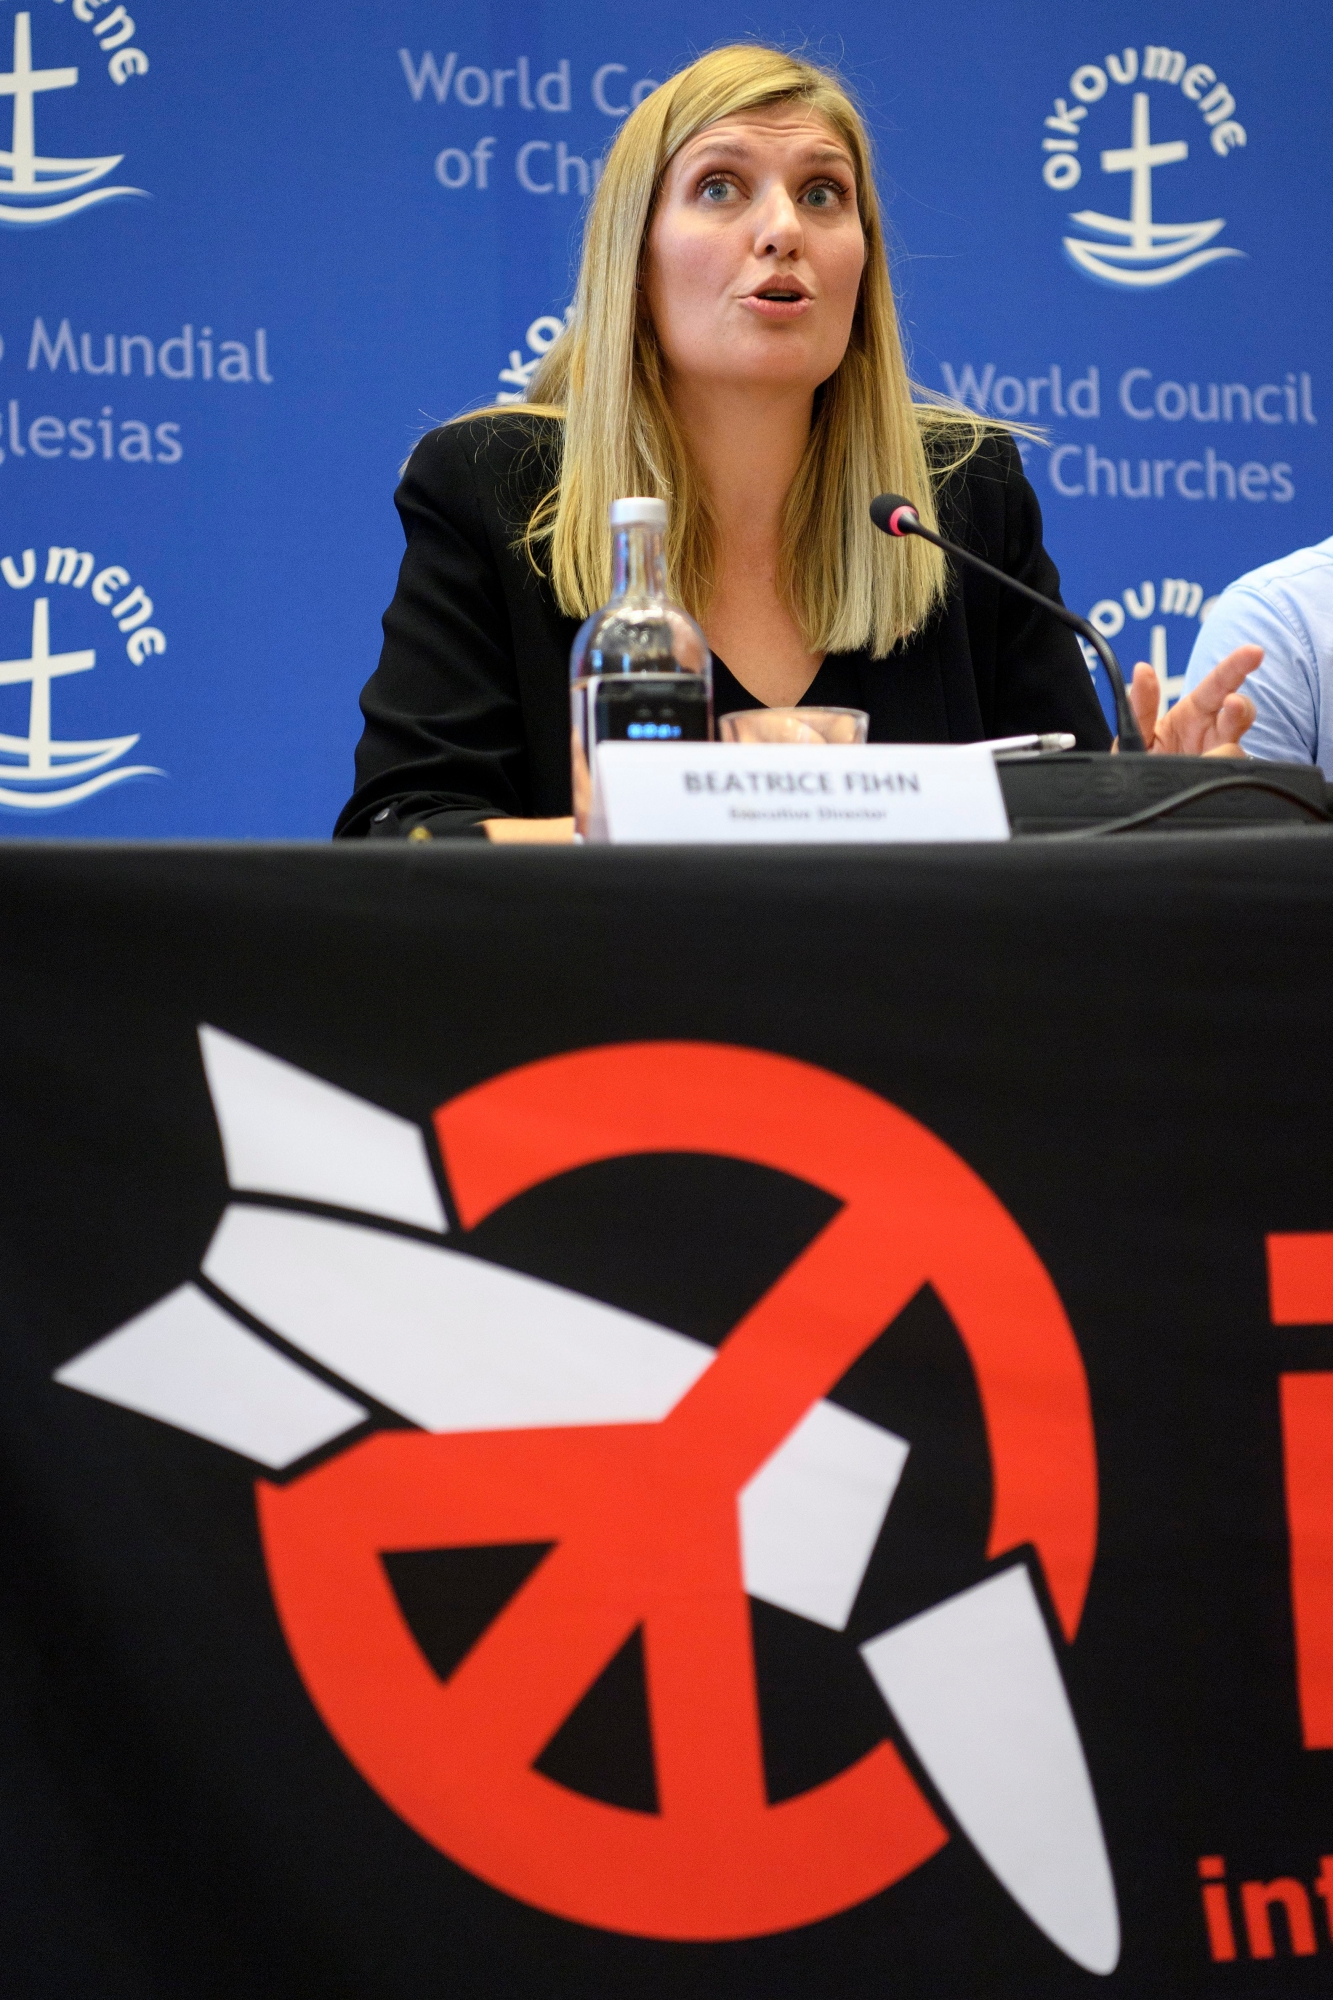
{"x": 528, "y": 832}
{"x": 1210, "y": 720}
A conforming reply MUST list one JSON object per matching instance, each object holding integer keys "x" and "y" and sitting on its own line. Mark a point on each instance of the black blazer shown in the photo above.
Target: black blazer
{"x": 467, "y": 714}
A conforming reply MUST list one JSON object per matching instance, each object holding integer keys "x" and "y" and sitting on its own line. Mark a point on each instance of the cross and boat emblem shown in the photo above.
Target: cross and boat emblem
{"x": 30, "y": 182}
{"x": 39, "y": 759}
{"x": 1143, "y": 253}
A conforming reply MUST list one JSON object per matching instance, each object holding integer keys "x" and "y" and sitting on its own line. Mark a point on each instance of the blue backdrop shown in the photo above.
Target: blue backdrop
{"x": 251, "y": 252}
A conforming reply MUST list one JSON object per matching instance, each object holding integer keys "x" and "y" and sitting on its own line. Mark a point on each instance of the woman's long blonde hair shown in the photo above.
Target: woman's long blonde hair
{"x": 846, "y": 587}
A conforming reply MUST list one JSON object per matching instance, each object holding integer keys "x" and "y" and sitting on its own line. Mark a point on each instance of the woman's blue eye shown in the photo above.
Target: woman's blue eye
{"x": 718, "y": 189}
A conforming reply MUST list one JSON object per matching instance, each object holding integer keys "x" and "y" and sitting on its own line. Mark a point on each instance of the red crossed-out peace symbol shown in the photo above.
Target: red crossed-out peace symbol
{"x": 644, "y": 1516}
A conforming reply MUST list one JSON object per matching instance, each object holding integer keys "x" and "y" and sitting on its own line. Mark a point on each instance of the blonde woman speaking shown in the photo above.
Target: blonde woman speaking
{"x": 733, "y": 349}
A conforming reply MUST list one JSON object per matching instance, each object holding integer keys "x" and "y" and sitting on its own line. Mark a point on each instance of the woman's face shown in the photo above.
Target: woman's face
{"x": 756, "y": 251}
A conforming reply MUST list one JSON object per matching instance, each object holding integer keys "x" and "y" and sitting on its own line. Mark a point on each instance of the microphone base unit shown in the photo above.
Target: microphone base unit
{"x": 1071, "y": 791}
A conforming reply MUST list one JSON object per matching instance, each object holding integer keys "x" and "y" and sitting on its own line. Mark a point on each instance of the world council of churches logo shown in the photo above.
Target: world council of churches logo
{"x": 36, "y": 189}
{"x": 1135, "y": 251}
{"x": 41, "y": 772}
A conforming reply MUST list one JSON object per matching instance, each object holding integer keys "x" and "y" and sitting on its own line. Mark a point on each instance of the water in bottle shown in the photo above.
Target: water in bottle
{"x": 640, "y": 669}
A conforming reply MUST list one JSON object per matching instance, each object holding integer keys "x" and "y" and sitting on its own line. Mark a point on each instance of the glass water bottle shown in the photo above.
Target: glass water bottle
{"x": 640, "y": 669}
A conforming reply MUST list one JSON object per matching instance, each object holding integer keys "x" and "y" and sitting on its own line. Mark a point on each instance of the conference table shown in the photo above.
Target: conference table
{"x": 645, "y": 1421}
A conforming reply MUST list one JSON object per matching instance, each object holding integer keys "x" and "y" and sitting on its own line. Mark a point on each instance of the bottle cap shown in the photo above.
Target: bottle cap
{"x": 646, "y": 513}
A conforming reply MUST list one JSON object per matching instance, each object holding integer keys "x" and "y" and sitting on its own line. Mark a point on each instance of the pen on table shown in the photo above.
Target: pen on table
{"x": 1059, "y": 739}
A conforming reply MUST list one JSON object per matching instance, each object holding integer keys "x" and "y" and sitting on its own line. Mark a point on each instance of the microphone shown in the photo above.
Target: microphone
{"x": 893, "y": 515}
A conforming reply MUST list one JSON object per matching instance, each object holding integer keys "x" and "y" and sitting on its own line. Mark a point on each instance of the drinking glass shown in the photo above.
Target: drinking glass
{"x": 794, "y": 725}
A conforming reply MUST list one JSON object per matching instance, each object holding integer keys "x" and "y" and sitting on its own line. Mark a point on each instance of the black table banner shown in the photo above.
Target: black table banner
{"x": 749, "y": 1424}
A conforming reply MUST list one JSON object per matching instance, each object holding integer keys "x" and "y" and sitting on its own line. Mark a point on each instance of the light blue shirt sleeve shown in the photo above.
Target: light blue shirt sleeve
{"x": 1286, "y": 688}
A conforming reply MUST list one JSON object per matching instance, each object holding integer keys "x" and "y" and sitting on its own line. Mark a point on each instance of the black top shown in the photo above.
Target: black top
{"x": 467, "y": 714}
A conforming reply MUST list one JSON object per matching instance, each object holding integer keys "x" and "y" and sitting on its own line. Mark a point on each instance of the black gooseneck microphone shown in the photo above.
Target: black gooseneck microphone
{"x": 893, "y": 515}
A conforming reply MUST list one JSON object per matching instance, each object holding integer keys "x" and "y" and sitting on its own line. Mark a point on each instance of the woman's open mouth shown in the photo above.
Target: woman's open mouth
{"x": 779, "y": 302}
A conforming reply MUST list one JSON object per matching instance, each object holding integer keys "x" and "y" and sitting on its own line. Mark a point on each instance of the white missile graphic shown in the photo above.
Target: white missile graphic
{"x": 976, "y": 1688}
{"x": 450, "y": 1342}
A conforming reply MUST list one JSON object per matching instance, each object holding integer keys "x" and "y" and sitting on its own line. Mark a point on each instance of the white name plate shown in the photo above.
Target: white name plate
{"x": 748, "y": 792}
